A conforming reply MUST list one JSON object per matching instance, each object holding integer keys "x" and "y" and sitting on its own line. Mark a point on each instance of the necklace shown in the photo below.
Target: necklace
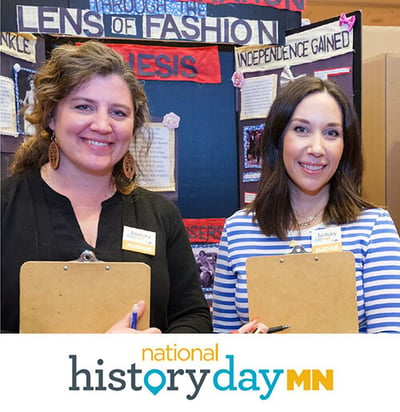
{"x": 308, "y": 220}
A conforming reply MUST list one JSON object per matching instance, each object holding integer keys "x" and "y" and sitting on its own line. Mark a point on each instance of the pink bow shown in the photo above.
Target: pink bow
{"x": 347, "y": 20}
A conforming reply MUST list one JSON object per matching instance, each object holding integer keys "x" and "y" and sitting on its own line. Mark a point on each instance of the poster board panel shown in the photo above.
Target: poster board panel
{"x": 312, "y": 293}
{"x": 81, "y": 297}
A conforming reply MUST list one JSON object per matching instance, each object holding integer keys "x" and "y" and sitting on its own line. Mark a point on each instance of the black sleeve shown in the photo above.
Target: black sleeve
{"x": 18, "y": 244}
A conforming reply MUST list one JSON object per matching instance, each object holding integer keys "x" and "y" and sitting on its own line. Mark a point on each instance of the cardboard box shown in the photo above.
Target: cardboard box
{"x": 381, "y": 131}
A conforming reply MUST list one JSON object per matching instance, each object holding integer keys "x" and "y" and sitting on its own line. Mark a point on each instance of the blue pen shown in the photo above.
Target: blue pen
{"x": 134, "y": 317}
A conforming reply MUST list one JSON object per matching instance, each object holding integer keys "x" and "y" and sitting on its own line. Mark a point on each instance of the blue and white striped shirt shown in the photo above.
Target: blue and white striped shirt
{"x": 373, "y": 239}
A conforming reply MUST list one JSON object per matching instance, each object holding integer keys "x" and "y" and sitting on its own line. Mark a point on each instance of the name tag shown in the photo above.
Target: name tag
{"x": 326, "y": 240}
{"x": 139, "y": 240}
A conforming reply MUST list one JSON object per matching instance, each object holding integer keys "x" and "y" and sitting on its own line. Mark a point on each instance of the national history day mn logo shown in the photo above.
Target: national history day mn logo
{"x": 219, "y": 372}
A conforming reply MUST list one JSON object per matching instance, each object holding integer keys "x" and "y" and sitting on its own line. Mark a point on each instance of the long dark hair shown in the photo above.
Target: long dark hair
{"x": 272, "y": 207}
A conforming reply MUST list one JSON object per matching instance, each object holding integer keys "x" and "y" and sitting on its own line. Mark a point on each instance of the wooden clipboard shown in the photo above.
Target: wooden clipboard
{"x": 81, "y": 297}
{"x": 312, "y": 293}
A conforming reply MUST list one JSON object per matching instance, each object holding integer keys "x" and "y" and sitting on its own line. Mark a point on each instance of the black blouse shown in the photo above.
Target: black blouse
{"x": 39, "y": 224}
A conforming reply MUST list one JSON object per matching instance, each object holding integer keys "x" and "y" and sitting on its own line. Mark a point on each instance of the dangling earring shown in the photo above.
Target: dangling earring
{"x": 54, "y": 153}
{"x": 128, "y": 165}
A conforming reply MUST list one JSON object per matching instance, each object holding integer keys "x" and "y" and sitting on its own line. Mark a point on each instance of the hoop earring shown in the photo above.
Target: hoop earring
{"x": 54, "y": 153}
{"x": 128, "y": 166}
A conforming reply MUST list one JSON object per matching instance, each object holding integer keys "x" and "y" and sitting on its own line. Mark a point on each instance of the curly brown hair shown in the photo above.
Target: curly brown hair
{"x": 68, "y": 68}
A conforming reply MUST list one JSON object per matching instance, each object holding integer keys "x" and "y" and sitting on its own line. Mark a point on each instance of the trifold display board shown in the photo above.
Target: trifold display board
{"x": 206, "y": 139}
{"x": 213, "y": 67}
{"x": 329, "y": 50}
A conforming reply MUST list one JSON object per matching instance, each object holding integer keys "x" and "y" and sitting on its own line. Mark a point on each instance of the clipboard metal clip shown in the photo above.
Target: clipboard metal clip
{"x": 297, "y": 249}
{"x": 88, "y": 256}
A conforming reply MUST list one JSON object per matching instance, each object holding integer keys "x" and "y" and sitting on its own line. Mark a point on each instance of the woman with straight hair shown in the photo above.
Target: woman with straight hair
{"x": 311, "y": 182}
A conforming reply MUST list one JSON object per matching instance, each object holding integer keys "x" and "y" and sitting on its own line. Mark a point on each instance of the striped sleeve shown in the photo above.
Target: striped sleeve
{"x": 381, "y": 276}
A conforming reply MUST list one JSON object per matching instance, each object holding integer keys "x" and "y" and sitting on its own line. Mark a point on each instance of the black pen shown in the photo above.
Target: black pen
{"x": 280, "y": 328}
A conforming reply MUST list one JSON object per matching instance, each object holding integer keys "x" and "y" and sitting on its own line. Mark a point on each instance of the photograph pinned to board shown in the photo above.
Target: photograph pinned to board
{"x": 206, "y": 258}
{"x": 252, "y": 145}
{"x": 24, "y": 91}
